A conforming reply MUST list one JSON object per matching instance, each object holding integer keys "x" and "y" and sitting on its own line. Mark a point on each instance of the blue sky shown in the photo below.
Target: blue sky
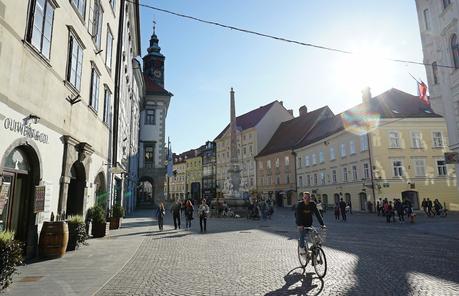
{"x": 203, "y": 62}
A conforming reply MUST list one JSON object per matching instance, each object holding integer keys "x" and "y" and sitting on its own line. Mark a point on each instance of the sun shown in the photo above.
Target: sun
{"x": 367, "y": 66}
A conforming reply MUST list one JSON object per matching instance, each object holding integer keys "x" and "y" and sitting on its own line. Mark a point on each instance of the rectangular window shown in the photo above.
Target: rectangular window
{"x": 420, "y": 167}
{"x": 354, "y": 173}
{"x": 364, "y": 142}
{"x": 351, "y": 147}
{"x": 287, "y": 179}
{"x": 446, "y": 3}
{"x": 150, "y": 116}
{"x": 334, "y": 176}
{"x": 80, "y": 5}
{"x": 321, "y": 156}
{"x": 299, "y": 162}
{"x": 343, "y": 150}
{"x": 149, "y": 155}
{"x": 268, "y": 164}
{"x": 107, "y": 98}
{"x": 366, "y": 170}
{"x": 260, "y": 165}
{"x": 309, "y": 180}
{"x": 394, "y": 140}
{"x": 39, "y": 32}
{"x": 94, "y": 95}
{"x": 322, "y": 178}
{"x": 441, "y": 168}
{"x": 244, "y": 150}
{"x": 344, "y": 174}
{"x": 277, "y": 162}
{"x": 306, "y": 160}
{"x": 332, "y": 153}
{"x": 75, "y": 62}
{"x": 315, "y": 179}
{"x": 300, "y": 181}
{"x": 277, "y": 179}
{"x": 314, "y": 161}
{"x": 398, "y": 168}
{"x": 287, "y": 161}
{"x": 96, "y": 23}
{"x": 427, "y": 19}
{"x": 109, "y": 50}
{"x": 416, "y": 140}
{"x": 437, "y": 140}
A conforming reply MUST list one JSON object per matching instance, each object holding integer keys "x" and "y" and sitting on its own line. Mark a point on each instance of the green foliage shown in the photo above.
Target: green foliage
{"x": 77, "y": 231}
{"x": 76, "y": 219}
{"x": 98, "y": 215}
{"x": 101, "y": 199}
{"x": 117, "y": 211}
{"x": 10, "y": 257}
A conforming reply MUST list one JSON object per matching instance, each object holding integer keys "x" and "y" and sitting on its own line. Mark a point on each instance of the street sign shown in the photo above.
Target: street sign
{"x": 451, "y": 157}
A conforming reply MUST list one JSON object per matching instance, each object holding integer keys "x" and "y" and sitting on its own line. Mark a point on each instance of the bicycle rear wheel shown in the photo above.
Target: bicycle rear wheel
{"x": 302, "y": 258}
{"x": 319, "y": 261}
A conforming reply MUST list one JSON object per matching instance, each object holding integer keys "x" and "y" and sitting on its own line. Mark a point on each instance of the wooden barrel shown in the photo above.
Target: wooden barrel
{"x": 54, "y": 237}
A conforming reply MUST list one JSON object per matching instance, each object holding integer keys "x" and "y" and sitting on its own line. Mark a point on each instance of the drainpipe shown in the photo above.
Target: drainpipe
{"x": 371, "y": 170}
{"x": 119, "y": 48}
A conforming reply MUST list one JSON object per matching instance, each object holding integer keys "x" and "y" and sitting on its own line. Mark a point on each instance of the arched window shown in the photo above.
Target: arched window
{"x": 455, "y": 51}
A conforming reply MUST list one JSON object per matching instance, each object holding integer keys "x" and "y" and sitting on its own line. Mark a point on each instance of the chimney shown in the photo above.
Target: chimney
{"x": 303, "y": 110}
{"x": 366, "y": 95}
{"x": 281, "y": 102}
{"x": 290, "y": 111}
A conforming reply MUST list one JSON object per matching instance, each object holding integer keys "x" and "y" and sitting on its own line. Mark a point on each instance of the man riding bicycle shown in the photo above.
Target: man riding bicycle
{"x": 304, "y": 211}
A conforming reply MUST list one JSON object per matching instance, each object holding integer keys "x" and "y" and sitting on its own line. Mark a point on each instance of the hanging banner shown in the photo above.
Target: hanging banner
{"x": 39, "y": 205}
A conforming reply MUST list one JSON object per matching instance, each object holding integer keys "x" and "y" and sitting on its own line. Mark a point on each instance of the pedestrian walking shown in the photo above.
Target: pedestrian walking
{"x": 320, "y": 208}
{"x": 175, "y": 210}
{"x": 429, "y": 208}
{"x": 182, "y": 207}
{"x": 399, "y": 209}
{"x": 424, "y": 206}
{"x": 337, "y": 211}
{"x": 160, "y": 213}
{"x": 379, "y": 206}
{"x": 203, "y": 212}
{"x": 349, "y": 204}
{"x": 189, "y": 209}
{"x": 342, "y": 206}
{"x": 437, "y": 206}
{"x": 389, "y": 211}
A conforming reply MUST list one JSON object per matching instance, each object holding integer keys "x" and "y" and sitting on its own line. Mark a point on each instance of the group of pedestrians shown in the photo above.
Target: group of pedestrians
{"x": 184, "y": 208}
{"x": 263, "y": 208}
{"x": 391, "y": 209}
{"x": 432, "y": 209}
{"x": 341, "y": 209}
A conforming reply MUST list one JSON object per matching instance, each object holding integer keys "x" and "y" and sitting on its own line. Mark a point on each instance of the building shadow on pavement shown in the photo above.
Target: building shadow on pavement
{"x": 299, "y": 283}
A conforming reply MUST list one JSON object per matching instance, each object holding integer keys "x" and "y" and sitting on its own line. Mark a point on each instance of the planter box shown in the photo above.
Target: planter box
{"x": 115, "y": 223}
{"x": 100, "y": 230}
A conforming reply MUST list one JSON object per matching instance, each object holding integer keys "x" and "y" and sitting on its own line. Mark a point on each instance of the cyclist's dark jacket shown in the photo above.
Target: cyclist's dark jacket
{"x": 304, "y": 214}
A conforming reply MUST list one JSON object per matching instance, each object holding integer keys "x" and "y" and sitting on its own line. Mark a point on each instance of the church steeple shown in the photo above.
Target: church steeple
{"x": 153, "y": 62}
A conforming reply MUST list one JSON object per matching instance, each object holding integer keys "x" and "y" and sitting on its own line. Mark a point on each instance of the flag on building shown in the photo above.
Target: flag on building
{"x": 422, "y": 90}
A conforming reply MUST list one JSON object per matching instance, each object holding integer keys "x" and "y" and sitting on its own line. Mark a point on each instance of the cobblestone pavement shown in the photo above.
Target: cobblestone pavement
{"x": 366, "y": 256}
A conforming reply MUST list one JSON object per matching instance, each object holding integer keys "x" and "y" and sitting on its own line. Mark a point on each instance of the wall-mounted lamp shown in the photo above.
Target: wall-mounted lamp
{"x": 34, "y": 118}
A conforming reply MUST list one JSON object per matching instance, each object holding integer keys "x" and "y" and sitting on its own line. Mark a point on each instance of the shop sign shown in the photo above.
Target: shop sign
{"x": 25, "y": 130}
{"x": 39, "y": 204}
{"x": 4, "y": 189}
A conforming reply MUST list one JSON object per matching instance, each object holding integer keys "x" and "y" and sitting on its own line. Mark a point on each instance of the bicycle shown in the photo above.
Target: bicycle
{"x": 315, "y": 253}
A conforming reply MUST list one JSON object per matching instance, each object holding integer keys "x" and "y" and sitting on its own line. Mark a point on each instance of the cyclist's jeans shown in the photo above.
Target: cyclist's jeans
{"x": 303, "y": 236}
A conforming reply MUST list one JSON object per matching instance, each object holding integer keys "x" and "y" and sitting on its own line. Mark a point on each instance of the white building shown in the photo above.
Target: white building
{"x": 153, "y": 112}
{"x": 438, "y": 23}
{"x": 125, "y": 178}
{"x": 57, "y": 78}
{"x": 254, "y": 129}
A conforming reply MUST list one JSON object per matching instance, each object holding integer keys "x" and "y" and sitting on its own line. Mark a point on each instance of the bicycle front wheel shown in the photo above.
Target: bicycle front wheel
{"x": 319, "y": 261}
{"x": 302, "y": 258}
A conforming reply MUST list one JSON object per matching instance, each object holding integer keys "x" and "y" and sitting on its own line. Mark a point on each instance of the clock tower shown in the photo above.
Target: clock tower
{"x": 153, "y": 62}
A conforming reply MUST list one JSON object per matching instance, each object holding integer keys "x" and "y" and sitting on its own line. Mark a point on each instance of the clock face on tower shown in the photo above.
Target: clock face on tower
{"x": 157, "y": 73}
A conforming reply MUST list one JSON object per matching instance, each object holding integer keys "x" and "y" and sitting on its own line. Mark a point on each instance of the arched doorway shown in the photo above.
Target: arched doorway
{"x": 363, "y": 200}
{"x": 21, "y": 173}
{"x": 75, "y": 195}
{"x": 413, "y": 197}
{"x": 146, "y": 193}
{"x": 101, "y": 190}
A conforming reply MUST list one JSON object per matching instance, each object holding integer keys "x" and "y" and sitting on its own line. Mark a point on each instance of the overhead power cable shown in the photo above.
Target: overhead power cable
{"x": 280, "y": 38}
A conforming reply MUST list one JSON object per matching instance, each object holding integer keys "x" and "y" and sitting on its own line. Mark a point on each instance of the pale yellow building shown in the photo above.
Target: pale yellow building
{"x": 194, "y": 175}
{"x": 177, "y": 181}
{"x": 401, "y": 156}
